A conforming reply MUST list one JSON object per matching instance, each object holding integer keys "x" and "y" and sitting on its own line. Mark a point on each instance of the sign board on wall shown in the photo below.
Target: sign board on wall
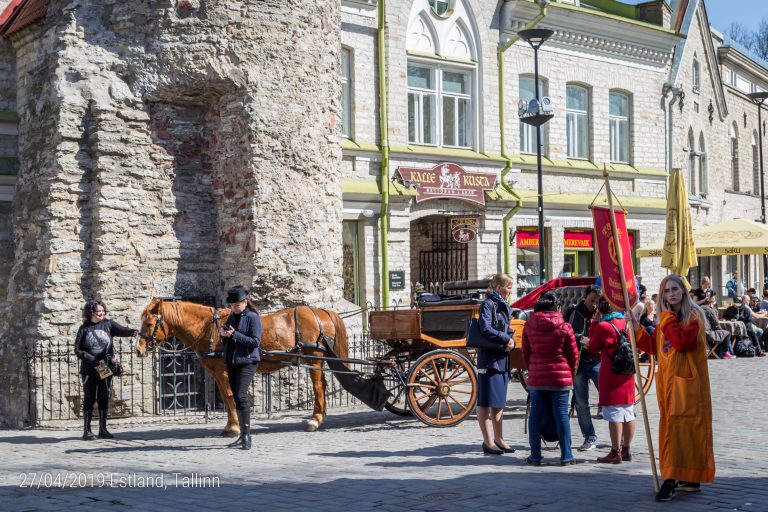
{"x": 397, "y": 279}
{"x": 464, "y": 229}
{"x": 448, "y": 181}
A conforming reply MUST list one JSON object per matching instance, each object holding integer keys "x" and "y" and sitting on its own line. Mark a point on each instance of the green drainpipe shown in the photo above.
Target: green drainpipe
{"x": 518, "y": 201}
{"x": 383, "y": 133}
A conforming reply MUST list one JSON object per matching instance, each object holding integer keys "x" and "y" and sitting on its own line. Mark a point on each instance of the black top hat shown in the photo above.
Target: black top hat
{"x": 236, "y": 294}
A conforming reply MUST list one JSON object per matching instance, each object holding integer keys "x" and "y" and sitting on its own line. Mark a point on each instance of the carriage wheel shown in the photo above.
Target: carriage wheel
{"x": 394, "y": 376}
{"x": 647, "y": 373}
{"x": 442, "y": 388}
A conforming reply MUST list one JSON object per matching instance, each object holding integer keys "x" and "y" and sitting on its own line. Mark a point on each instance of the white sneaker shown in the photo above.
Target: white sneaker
{"x": 588, "y": 445}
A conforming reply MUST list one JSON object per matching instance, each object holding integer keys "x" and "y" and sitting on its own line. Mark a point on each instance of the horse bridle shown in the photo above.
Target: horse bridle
{"x": 152, "y": 339}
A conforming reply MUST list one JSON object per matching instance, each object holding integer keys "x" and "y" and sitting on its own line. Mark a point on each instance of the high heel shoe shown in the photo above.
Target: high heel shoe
{"x": 508, "y": 449}
{"x": 491, "y": 451}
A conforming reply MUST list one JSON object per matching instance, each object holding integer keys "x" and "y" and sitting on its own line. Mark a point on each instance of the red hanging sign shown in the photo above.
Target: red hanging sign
{"x": 448, "y": 181}
{"x": 464, "y": 229}
{"x": 608, "y": 260}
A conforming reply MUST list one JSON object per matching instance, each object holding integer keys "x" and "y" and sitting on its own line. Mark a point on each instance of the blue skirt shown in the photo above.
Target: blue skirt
{"x": 492, "y": 388}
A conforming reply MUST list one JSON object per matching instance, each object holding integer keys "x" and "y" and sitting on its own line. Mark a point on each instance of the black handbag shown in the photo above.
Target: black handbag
{"x": 476, "y": 339}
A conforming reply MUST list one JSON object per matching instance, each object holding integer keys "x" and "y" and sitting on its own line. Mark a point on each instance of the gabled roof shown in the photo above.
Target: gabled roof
{"x": 694, "y": 11}
{"x": 20, "y": 14}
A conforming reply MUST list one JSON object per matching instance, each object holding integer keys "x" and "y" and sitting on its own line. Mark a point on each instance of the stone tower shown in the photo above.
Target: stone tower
{"x": 170, "y": 147}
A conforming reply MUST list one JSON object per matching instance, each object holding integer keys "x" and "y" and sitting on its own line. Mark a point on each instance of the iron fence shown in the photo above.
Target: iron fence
{"x": 173, "y": 384}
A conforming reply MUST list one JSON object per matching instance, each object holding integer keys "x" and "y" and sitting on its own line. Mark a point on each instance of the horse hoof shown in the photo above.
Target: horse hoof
{"x": 230, "y": 433}
{"x": 311, "y": 426}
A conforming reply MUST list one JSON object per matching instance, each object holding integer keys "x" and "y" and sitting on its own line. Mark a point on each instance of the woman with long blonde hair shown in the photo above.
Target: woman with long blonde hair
{"x": 686, "y": 454}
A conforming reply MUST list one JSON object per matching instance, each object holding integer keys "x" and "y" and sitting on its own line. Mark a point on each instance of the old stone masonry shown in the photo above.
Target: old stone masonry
{"x": 167, "y": 148}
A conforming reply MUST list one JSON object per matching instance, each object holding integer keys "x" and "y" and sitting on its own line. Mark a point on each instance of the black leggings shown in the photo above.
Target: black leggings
{"x": 240, "y": 378}
{"x": 95, "y": 389}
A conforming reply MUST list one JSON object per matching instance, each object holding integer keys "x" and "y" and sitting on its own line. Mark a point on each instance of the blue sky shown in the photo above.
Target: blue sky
{"x": 723, "y": 12}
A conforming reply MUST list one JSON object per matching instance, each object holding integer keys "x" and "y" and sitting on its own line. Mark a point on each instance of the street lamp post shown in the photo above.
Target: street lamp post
{"x": 758, "y": 98}
{"x": 537, "y": 116}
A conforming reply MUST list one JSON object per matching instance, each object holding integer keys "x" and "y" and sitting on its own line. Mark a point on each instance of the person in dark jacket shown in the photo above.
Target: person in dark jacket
{"x": 550, "y": 354}
{"x": 580, "y": 317}
{"x": 617, "y": 392}
{"x": 493, "y": 365}
{"x": 241, "y": 337}
{"x": 94, "y": 348}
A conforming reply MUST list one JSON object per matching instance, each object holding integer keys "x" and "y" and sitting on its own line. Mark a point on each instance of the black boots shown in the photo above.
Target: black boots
{"x": 245, "y": 428}
{"x": 239, "y": 441}
{"x": 103, "y": 432}
{"x": 87, "y": 434}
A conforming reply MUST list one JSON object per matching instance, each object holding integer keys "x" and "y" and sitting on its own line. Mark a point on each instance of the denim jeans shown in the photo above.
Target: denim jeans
{"x": 588, "y": 370}
{"x": 558, "y": 402}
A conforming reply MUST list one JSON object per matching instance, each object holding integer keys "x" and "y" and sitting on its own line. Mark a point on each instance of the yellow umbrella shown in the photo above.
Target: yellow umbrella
{"x": 679, "y": 253}
{"x": 731, "y": 237}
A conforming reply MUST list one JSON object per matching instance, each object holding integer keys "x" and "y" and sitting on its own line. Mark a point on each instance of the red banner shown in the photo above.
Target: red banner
{"x": 608, "y": 260}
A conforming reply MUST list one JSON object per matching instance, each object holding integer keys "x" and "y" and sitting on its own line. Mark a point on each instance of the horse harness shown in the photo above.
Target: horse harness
{"x": 327, "y": 341}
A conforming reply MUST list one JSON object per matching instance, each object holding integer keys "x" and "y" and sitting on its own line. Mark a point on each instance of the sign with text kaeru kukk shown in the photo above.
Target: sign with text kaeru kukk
{"x": 608, "y": 259}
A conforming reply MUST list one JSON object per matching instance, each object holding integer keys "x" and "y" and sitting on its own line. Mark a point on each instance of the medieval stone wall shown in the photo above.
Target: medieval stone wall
{"x": 171, "y": 148}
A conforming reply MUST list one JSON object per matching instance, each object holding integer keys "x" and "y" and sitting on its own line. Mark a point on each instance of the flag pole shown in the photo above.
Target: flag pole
{"x": 631, "y": 330}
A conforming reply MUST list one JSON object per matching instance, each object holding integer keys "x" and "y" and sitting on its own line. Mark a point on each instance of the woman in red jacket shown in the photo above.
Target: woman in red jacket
{"x": 617, "y": 392}
{"x": 549, "y": 351}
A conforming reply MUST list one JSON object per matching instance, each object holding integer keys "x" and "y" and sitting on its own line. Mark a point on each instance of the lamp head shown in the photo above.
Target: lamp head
{"x": 758, "y": 97}
{"x": 535, "y": 36}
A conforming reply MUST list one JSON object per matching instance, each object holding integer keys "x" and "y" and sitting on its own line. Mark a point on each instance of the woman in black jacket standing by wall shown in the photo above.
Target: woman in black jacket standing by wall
{"x": 241, "y": 337}
{"x": 93, "y": 346}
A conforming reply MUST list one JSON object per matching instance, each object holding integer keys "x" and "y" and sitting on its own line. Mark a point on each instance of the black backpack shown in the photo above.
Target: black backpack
{"x": 623, "y": 363}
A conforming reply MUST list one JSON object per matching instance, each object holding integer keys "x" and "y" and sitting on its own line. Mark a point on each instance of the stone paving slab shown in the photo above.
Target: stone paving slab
{"x": 363, "y": 460}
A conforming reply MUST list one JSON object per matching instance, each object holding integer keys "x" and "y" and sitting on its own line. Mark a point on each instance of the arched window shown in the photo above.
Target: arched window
{"x": 691, "y": 164}
{"x": 528, "y": 132}
{"x": 619, "y": 119}
{"x": 442, "y": 91}
{"x": 703, "y": 177}
{"x": 734, "y": 134}
{"x": 755, "y": 166}
{"x": 577, "y": 121}
{"x": 696, "y": 74}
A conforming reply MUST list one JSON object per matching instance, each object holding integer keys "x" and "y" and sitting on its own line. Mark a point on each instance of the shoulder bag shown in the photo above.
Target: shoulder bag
{"x": 476, "y": 339}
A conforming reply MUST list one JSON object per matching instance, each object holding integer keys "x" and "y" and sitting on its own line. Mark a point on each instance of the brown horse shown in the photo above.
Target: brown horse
{"x": 192, "y": 324}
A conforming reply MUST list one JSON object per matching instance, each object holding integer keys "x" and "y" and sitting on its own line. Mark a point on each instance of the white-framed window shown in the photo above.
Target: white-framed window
{"x": 691, "y": 164}
{"x": 703, "y": 176}
{"x": 696, "y": 74}
{"x": 346, "y": 92}
{"x": 755, "y": 166}
{"x": 734, "y": 134}
{"x": 577, "y": 121}
{"x": 528, "y": 132}
{"x": 619, "y": 126}
{"x": 440, "y": 110}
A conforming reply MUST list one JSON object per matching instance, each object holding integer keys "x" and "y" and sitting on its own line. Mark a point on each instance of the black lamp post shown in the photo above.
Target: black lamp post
{"x": 758, "y": 98}
{"x": 536, "y": 117}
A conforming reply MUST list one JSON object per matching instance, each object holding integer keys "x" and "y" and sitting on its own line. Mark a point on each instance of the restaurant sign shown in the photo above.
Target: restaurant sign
{"x": 464, "y": 229}
{"x": 448, "y": 181}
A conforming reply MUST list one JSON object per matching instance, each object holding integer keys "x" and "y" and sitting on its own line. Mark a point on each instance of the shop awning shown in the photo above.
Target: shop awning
{"x": 727, "y": 238}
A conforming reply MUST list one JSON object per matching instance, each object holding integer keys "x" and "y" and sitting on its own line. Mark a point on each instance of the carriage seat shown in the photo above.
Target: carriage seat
{"x": 432, "y": 300}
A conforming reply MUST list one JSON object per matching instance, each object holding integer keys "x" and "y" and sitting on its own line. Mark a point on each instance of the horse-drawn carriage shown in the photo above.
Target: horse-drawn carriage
{"x": 429, "y": 370}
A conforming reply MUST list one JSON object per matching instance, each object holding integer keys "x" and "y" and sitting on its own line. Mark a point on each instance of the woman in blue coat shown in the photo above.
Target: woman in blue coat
{"x": 241, "y": 337}
{"x": 493, "y": 365}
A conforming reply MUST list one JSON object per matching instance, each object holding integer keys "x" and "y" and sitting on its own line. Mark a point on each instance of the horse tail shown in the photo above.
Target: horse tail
{"x": 342, "y": 343}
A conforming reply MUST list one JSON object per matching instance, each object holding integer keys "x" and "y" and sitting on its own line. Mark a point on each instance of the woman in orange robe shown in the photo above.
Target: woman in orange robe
{"x": 686, "y": 454}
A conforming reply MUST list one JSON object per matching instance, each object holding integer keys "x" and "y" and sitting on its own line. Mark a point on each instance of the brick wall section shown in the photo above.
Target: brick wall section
{"x": 172, "y": 151}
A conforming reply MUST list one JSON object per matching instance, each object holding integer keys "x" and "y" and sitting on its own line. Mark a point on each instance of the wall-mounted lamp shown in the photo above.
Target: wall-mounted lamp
{"x": 367, "y": 213}
{"x": 423, "y": 229}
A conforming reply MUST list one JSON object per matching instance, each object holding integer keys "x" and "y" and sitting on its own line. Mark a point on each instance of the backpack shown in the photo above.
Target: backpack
{"x": 623, "y": 363}
{"x": 743, "y": 348}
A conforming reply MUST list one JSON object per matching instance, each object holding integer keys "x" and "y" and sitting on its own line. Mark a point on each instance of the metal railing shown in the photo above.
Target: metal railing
{"x": 173, "y": 384}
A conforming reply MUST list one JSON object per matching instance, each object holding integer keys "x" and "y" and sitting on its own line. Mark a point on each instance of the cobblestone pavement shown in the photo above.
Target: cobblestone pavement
{"x": 363, "y": 460}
